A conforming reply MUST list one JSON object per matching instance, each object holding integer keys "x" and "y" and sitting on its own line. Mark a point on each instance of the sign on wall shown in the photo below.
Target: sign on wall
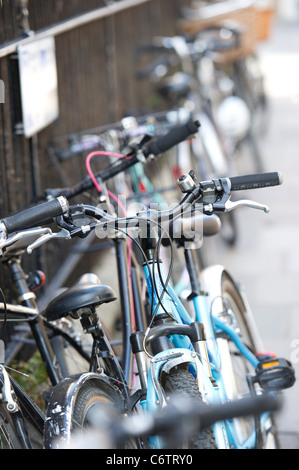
{"x": 38, "y": 81}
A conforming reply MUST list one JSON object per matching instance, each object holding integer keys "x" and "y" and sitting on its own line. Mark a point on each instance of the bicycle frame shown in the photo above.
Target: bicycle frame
{"x": 183, "y": 352}
{"x": 212, "y": 322}
{"x": 36, "y": 323}
{"x": 16, "y": 405}
{"x": 202, "y": 315}
{"x": 224, "y": 432}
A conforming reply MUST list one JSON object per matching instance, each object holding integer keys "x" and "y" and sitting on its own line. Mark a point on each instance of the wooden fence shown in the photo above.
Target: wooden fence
{"x": 95, "y": 42}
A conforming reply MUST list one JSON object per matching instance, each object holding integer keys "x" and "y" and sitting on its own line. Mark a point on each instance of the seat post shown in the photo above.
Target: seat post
{"x": 25, "y": 296}
{"x": 101, "y": 348}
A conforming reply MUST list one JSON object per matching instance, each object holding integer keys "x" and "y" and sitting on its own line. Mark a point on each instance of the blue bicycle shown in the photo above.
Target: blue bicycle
{"x": 213, "y": 352}
{"x": 209, "y": 356}
{"x": 207, "y": 353}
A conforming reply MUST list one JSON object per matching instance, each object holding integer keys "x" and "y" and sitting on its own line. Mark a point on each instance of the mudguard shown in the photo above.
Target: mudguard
{"x": 58, "y": 422}
{"x": 211, "y": 281}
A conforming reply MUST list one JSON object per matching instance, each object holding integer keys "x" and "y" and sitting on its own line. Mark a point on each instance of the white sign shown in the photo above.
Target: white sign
{"x": 38, "y": 79}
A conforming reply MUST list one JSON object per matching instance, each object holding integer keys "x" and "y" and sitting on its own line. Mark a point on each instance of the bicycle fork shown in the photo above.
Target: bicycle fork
{"x": 154, "y": 395}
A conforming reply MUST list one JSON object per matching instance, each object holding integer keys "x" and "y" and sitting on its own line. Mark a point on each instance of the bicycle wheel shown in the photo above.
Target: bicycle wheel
{"x": 91, "y": 399}
{"x": 81, "y": 399}
{"x": 250, "y": 85}
{"x": 88, "y": 398}
{"x": 235, "y": 367}
{"x": 69, "y": 360}
{"x": 180, "y": 381}
{"x": 229, "y": 229}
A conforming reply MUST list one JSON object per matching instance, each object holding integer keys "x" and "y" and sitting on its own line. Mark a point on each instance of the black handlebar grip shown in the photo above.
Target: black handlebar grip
{"x": 261, "y": 180}
{"x": 243, "y": 407}
{"x": 172, "y": 138}
{"x": 36, "y": 215}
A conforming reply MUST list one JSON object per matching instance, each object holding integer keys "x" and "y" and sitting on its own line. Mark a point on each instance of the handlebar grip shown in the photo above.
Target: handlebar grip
{"x": 36, "y": 215}
{"x": 172, "y": 138}
{"x": 261, "y": 180}
{"x": 243, "y": 407}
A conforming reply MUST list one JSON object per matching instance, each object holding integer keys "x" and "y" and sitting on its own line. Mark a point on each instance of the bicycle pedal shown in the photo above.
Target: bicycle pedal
{"x": 274, "y": 374}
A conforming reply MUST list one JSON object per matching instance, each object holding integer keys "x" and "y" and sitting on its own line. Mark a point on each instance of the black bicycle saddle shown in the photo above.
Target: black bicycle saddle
{"x": 87, "y": 292}
{"x": 178, "y": 85}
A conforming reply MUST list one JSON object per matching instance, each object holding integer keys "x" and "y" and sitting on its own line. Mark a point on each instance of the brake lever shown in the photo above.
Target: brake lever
{"x": 6, "y": 242}
{"x": 65, "y": 234}
{"x": 229, "y": 205}
{"x": 221, "y": 195}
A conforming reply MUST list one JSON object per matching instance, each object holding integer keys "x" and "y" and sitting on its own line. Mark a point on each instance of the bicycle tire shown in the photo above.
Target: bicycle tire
{"x": 90, "y": 397}
{"x": 255, "y": 151}
{"x": 250, "y": 86}
{"x": 233, "y": 302}
{"x": 67, "y": 423}
{"x": 229, "y": 228}
{"x": 180, "y": 381}
{"x": 69, "y": 360}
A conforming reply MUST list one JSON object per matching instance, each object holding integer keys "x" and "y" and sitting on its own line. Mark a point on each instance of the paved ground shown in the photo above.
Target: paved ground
{"x": 266, "y": 258}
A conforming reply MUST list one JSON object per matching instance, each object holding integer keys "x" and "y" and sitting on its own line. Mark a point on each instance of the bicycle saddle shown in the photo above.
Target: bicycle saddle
{"x": 87, "y": 292}
{"x": 179, "y": 85}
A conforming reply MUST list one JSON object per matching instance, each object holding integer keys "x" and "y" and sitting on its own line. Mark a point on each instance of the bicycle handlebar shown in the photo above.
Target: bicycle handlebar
{"x": 152, "y": 149}
{"x": 36, "y": 215}
{"x": 183, "y": 414}
{"x": 212, "y": 195}
{"x": 255, "y": 181}
{"x": 196, "y": 44}
{"x": 208, "y": 193}
{"x": 222, "y": 45}
{"x": 172, "y": 138}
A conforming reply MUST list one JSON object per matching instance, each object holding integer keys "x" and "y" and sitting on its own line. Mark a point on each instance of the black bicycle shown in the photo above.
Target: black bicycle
{"x": 20, "y": 234}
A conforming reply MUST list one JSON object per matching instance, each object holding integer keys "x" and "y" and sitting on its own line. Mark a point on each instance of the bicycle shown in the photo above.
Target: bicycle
{"x": 180, "y": 419}
{"x": 182, "y": 84}
{"x": 223, "y": 281}
{"x": 14, "y": 430}
{"x": 144, "y": 185}
{"x": 17, "y": 407}
{"x": 230, "y": 96}
{"x": 69, "y": 389}
{"x": 235, "y": 74}
{"x": 272, "y": 374}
